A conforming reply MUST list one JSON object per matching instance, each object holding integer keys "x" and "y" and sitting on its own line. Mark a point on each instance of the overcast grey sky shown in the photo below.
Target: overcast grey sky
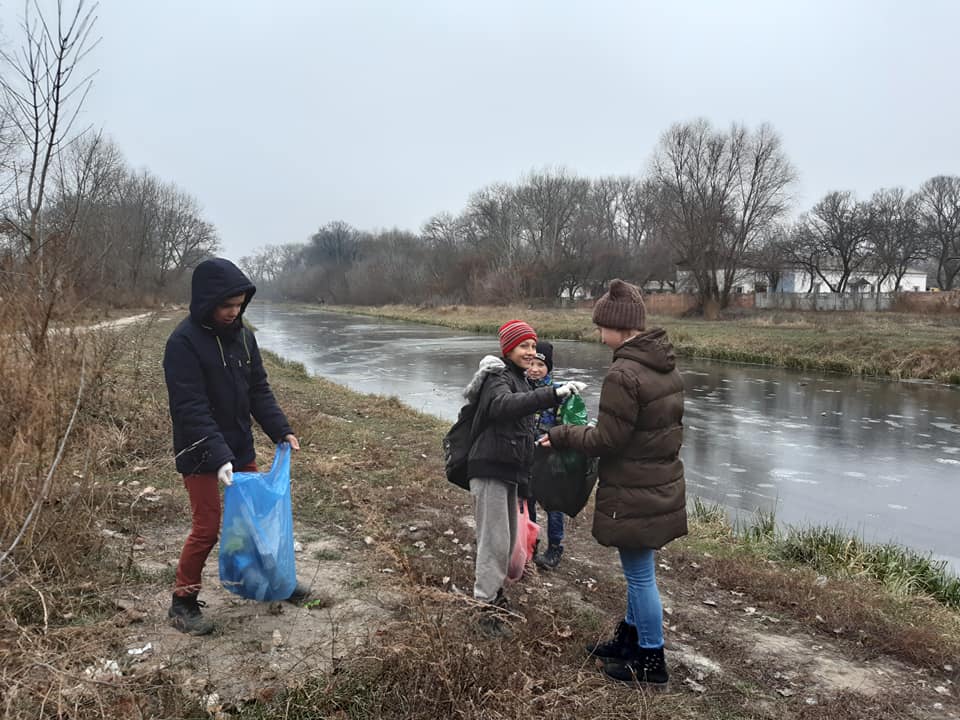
{"x": 280, "y": 116}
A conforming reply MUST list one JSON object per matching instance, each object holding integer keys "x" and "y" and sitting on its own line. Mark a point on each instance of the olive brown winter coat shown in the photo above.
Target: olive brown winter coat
{"x": 641, "y": 496}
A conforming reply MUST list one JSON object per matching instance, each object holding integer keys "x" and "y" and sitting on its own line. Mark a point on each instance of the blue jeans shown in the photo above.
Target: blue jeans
{"x": 644, "y": 609}
{"x": 554, "y": 524}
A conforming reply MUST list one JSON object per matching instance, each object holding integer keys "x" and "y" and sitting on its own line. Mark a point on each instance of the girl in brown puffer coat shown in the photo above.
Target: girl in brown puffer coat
{"x": 641, "y": 498}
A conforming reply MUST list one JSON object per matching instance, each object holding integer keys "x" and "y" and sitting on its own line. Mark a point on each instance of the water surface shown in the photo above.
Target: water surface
{"x": 877, "y": 457}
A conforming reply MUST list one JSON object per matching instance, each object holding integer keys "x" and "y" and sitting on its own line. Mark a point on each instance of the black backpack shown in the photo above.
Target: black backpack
{"x": 457, "y": 443}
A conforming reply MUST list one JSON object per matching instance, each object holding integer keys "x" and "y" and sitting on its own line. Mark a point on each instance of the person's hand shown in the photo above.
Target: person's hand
{"x": 292, "y": 439}
{"x": 225, "y": 474}
{"x": 544, "y": 441}
{"x": 574, "y": 387}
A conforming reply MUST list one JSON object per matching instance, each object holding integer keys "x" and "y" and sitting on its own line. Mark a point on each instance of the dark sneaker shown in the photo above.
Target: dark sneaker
{"x": 646, "y": 666}
{"x": 625, "y": 641}
{"x": 491, "y": 621}
{"x": 300, "y": 593}
{"x": 185, "y": 615}
{"x": 551, "y": 558}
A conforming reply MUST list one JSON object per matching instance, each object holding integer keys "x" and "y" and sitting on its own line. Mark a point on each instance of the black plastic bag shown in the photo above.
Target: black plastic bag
{"x": 562, "y": 480}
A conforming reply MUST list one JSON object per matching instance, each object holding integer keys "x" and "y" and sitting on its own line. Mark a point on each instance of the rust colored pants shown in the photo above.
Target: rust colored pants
{"x": 204, "y": 491}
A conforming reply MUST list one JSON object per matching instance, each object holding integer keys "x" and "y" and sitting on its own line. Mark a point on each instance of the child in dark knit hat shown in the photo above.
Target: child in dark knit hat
{"x": 540, "y": 373}
{"x": 641, "y": 496}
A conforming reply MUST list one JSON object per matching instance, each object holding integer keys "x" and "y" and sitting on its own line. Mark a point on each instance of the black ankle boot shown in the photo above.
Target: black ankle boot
{"x": 625, "y": 639}
{"x": 644, "y": 665}
{"x": 185, "y": 615}
{"x": 551, "y": 558}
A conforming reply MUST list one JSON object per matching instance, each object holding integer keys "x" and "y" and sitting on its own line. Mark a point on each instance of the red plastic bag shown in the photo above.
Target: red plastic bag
{"x": 527, "y": 532}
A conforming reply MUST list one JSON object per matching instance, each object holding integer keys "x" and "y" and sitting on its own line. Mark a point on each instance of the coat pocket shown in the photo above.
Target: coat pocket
{"x": 513, "y": 449}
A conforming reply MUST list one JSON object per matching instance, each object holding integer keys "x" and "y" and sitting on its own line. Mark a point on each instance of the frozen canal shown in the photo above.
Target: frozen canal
{"x": 879, "y": 458}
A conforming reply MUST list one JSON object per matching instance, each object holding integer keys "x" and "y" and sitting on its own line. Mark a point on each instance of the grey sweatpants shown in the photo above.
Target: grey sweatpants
{"x": 495, "y": 512}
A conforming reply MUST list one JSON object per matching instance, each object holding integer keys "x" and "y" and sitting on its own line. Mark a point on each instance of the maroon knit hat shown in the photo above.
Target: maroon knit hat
{"x": 514, "y": 332}
{"x": 621, "y": 307}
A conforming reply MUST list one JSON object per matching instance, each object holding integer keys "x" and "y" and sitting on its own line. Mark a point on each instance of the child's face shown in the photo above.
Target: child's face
{"x": 228, "y": 310}
{"x": 537, "y": 369}
{"x": 523, "y": 353}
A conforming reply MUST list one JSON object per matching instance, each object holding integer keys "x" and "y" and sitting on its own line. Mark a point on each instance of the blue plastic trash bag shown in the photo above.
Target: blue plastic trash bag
{"x": 256, "y": 540}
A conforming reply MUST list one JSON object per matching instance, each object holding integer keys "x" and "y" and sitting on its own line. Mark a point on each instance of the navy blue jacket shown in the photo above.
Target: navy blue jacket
{"x": 215, "y": 378}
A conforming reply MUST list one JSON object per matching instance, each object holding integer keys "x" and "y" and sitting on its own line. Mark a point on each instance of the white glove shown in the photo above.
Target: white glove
{"x": 574, "y": 387}
{"x": 225, "y": 474}
{"x": 491, "y": 362}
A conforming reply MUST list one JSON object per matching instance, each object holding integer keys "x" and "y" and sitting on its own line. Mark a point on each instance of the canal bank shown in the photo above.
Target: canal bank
{"x": 890, "y": 345}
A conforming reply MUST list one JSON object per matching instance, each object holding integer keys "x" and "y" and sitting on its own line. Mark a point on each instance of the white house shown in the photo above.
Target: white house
{"x": 797, "y": 280}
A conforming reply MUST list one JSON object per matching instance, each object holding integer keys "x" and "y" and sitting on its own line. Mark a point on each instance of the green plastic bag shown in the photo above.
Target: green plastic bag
{"x": 563, "y": 480}
{"x": 573, "y": 411}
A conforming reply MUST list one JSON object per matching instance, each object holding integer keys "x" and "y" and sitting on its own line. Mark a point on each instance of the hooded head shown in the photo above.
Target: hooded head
{"x": 213, "y": 282}
{"x": 621, "y": 307}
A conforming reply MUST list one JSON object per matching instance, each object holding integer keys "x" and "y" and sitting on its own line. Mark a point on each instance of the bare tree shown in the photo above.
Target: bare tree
{"x": 264, "y": 266}
{"x": 939, "y": 208}
{"x": 550, "y": 204}
{"x": 896, "y": 241}
{"x": 43, "y": 93}
{"x": 835, "y": 234}
{"x": 721, "y": 191}
{"x": 772, "y": 256}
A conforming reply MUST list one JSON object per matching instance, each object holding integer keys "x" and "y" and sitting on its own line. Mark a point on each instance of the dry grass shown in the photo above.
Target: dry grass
{"x": 58, "y": 620}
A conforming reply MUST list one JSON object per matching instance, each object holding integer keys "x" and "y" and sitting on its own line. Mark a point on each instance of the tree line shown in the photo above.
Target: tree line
{"x": 715, "y": 202}
{"x": 77, "y": 223}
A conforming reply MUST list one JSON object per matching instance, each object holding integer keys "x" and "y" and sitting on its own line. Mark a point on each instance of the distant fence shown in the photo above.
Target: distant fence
{"x": 909, "y": 302}
{"x": 851, "y": 302}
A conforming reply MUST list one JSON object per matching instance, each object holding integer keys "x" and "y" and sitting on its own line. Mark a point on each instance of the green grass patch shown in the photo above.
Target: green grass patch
{"x": 832, "y": 551}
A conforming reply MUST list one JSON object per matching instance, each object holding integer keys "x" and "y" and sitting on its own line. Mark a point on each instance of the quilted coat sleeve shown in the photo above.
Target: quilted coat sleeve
{"x": 615, "y": 424}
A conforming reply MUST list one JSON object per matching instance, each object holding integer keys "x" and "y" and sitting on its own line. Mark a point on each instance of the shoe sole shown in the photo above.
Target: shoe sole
{"x": 644, "y": 684}
{"x": 633, "y": 680}
{"x": 605, "y": 658}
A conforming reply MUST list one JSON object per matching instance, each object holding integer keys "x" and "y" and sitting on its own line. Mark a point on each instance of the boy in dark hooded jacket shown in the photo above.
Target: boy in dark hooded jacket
{"x": 540, "y": 374}
{"x": 215, "y": 382}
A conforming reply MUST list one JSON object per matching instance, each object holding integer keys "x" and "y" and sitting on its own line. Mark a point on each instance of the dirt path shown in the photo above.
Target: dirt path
{"x": 257, "y": 649}
{"x": 119, "y": 322}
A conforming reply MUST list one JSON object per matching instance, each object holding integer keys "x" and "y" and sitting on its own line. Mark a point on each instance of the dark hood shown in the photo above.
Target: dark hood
{"x": 213, "y": 282}
{"x": 650, "y": 348}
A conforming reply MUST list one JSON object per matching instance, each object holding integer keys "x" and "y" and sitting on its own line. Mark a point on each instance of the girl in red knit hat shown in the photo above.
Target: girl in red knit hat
{"x": 501, "y": 455}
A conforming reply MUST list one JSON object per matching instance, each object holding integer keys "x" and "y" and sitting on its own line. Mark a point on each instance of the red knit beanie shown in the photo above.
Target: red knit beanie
{"x": 514, "y": 332}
